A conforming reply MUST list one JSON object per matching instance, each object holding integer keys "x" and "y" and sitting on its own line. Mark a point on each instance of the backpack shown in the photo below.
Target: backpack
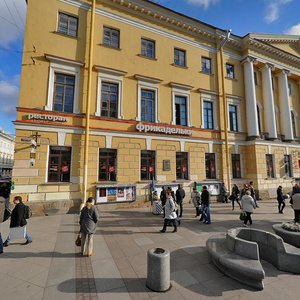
{"x": 28, "y": 212}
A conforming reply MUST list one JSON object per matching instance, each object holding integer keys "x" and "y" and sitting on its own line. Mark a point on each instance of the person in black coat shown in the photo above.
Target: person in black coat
{"x": 163, "y": 199}
{"x": 180, "y": 194}
{"x": 205, "y": 204}
{"x": 17, "y": 219}
{"x": 280, "y": 199}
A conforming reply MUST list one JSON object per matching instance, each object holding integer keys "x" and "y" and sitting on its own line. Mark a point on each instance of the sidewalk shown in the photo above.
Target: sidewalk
{"x": 50, "y": 268}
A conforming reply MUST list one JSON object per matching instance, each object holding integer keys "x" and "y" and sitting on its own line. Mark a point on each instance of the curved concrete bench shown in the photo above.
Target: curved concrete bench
{"x": 238, "y": 252}
{"x": 290, "y": 237}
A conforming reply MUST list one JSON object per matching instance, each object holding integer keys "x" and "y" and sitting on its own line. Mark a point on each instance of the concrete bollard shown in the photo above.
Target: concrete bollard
{"x": 158, "y": 270}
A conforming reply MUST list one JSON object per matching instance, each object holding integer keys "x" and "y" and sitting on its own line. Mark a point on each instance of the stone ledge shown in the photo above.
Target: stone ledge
{"x": 290, "y": 237}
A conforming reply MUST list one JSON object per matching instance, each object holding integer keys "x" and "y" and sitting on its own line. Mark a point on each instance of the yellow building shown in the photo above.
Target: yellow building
{"x": 117, "y": 93}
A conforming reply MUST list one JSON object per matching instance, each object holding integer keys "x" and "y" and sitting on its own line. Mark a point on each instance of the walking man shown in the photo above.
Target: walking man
{"x": 180, "y": 194}
{"x": 224, "y": 192}
{"x": 205, "y": 204}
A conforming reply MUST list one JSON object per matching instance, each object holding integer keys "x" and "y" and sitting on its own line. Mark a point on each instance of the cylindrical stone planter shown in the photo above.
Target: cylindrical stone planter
{"x": 158, "y": 270}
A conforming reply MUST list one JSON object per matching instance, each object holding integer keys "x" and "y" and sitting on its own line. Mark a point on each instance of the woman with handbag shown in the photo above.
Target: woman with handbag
{"x": 248, "y": 205}
{"x": 235, "y": 192}
{"x": 170, "y": 212}
{"x": 88, "y": 225}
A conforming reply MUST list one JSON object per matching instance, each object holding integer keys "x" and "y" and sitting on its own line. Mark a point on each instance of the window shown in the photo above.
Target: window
{"x": 273, "y": 85}
{"x": 109, "y": 99}
{"x": 67, "y": 24}
{"x": 147, "y": 105}
{"x": 210, "y": 165}
{"x": 107, "y": 164}
{"x": 63, "y": 96}
{"x": 255, "y": 78}
{"x": 236, "y": 165}
{"x": 59, "y": 164}
{"x": 230, "y": 71}
{"x": 180, "y": 110}
{"x": 179, "y": 57}
{"x": 258, "y": 119}
{"x": 181, "y": 165}
{"x": 293, "y": 119}
{"x": 288, "y": 165}
{"x": 208, "y": 117}
{"x": 233, "y": 120}
{"x": 147, "y": 165}
{"x": 206, "y": 65}
{"x": 270, "y": 166}
{"x": 290, "y": 89}
{"x": 111, "y": 37}
{"x": 148, "y": 48}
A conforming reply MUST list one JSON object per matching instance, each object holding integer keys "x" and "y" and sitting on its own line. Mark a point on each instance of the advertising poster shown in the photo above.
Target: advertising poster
{"x": 101, "y": 197}
{"x": 121, "y": 194}
{"x": 111, "y": 194}
{"x": 115, "y": 194}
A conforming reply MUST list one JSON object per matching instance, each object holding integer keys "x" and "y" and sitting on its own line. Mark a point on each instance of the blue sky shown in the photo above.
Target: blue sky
{"x": 242, "y": 16}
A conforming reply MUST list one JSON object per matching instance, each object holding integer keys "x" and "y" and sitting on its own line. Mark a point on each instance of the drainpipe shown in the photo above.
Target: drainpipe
{"x": 88, "y": 103}
{"x": 225, "y": 108}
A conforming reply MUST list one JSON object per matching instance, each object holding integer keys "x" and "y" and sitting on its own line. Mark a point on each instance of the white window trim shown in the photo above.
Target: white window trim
{"x": 68, "y": 69}
{"x": 237, "y": 103}
{"x": 210, "y": 98}
{"x": 183, "y": 93}
{"x": 102, "y": 76}
{"x": 148, "y": 86}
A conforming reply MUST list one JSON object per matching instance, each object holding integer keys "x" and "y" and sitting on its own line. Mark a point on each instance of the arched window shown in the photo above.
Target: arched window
{"x": 293, "y": 124}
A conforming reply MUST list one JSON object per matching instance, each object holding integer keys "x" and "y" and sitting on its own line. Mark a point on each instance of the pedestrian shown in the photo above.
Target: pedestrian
{"x": 196, "y": 199}
{"x": 224, "y": 193}
{"x": 244, "y": 189}
{"x": 88, "y": 225}
{"x": 2, "y": 210}
{"x": 163, "y": 199}
{"x": 235, "y": 193}
{"x": 248, "y": 205}
{"x": 280, "y": 199}
{"x": 205, "y": 206}
{"x": 170, "y": 212}
{"x": 295, "y": 201}
{"x": 17, "y": 220}
{"x": 252, "y": 191}
{"x": 155, "y": 196}
{"x": 180, "y": 194}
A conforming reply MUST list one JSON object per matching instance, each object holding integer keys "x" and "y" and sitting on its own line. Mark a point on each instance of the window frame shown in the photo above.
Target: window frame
{"x": 147, "y": 101}
{"x": 110, "y": 44}
{"x": 233, "y": 118}
{"x": 209, "y": 98}
{"x": 59, "y": 164}
{"x": 210, "y": 157}
{"x": 107, "y": 158}
{"x": 205, "y": 70}
{"x": 145, "y": 54}
{"x": 177, "y": 90}
{"x": 60, "y": 13}
{"x": 294, "y": 124}
{"x": 153, "y": 165}
{"x": 230, "y": 75}
{"x": 206, "y": 117}
{"x": 56, "y": 66}
{"x": 235, "y": 102}
{"x": 183, "y": 163}
{"x": 235, "y": 163}
{"x": 178, "y": 61}
{"x": 109, "y": 110}
{"x": 288, "y": 165}
{"x": 270, "y": 166}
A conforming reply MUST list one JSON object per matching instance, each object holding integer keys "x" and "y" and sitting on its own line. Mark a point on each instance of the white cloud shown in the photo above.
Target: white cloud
{"x": 273, "y": 9}
{"x": 9, "y": 93}
{"x": 12, "y": 21}
{"x": 293, "y": 30}
{"x": 204, "y": 3}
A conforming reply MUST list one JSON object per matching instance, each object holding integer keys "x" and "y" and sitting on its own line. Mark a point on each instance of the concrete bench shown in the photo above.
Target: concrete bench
{"x": 238, "y": 253}
{"x": 290, "y": 237}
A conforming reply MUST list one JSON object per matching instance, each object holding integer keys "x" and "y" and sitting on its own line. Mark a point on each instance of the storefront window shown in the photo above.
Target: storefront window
{"x": 147, "y": 165}
{"x": 107, "y": 165}
{"x": 59, "y": 164}
{"x": 210, "y": 165}
{"x": 182, "y": 165}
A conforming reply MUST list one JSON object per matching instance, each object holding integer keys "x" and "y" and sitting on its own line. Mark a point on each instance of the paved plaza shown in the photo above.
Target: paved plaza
{"x": 50, "y": 267}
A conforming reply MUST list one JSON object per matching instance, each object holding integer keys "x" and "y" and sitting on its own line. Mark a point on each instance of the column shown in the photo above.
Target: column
{"x": 251, "y": 110}
{"x": 269, "y": 107}
{"x": 284, "y": 106}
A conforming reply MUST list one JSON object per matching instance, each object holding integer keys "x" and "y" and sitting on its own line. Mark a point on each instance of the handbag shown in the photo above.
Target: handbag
{"x": 16, "y": 233}
{"x": 78, "y": 241}
{"x": 242, "y": 216}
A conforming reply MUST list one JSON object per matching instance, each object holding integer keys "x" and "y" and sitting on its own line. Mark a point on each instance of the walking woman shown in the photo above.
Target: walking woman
{"x": 248, "y": 205}
{"x": 280, "y": 199}
{"x": 88, "y": 225}
{"x": 170, "y": 213}
{"x": 235, "y": 193}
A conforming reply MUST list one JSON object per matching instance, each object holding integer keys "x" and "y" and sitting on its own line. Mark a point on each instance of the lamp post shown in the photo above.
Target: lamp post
{"x": 88, "y": 101}
{"x": 224, "y": 102}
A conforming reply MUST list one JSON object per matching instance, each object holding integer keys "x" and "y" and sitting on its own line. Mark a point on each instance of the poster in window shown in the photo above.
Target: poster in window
{"x": 101, "y": 195}
{"x": 129, "y": 193}
{"x": 53, "y": 168}
{"x": 184, "y": 169}
{"x": 121, "y": 194}
{"x": 111, "y": 169}
{"x": 151, "y": 169}
{"x": 111, "y": 194}
{"x": 65, "y": 169}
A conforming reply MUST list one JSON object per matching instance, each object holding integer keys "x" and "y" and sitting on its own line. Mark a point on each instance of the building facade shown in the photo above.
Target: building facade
{"x": 6, "y": 155}
{"x": 117, "y": 94}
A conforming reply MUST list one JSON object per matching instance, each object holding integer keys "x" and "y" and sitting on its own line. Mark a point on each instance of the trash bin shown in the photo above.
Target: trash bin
{"x": 158, "y": 270}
